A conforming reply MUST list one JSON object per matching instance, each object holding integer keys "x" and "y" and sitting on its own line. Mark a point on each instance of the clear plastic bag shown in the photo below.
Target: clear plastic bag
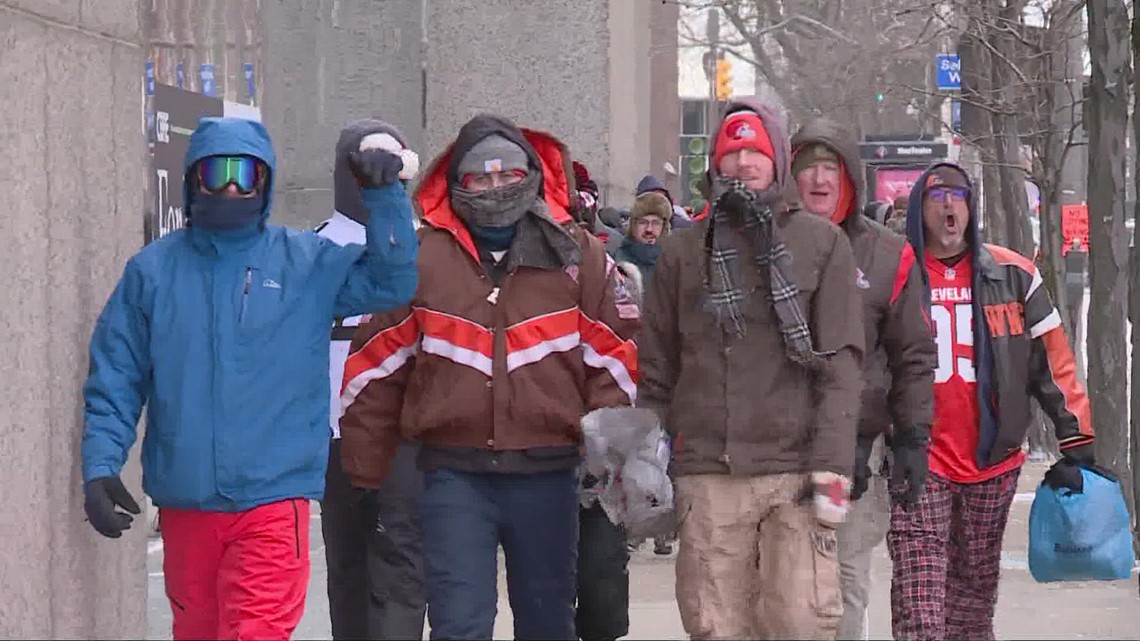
{"x": 626, "y": 470}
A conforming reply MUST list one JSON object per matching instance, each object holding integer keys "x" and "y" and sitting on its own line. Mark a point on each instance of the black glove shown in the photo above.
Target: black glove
{"x": 100, "y": 497}
{"x": 736, "y": 200}
{"x": 375, "y": 167}
{"x": 861, "y": 478}
{"x": 910, "y": 468}
{"x": 1066, "y": 473}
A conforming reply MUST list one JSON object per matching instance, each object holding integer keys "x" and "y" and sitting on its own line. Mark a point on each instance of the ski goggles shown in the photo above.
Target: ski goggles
{"x": 247, "y": 173}
{"x": 939, "y": 193}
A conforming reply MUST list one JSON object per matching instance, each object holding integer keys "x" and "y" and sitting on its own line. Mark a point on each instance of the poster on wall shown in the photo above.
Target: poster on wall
{"x": 176, "y": 115}
{"x": 1074, "y": 226}
{"x": 892, "y": 182}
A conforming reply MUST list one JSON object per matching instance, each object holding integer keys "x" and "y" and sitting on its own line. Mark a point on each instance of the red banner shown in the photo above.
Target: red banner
{"x": 892, "y": 183}
{"x": 1074, "y": 226}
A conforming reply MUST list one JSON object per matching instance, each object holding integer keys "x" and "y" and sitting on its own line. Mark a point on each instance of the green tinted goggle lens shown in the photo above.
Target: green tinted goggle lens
{"x": 244, "y": 172}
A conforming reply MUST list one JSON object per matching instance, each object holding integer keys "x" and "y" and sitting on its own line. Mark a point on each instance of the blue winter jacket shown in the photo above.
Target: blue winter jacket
{"x": 224, "y": 337}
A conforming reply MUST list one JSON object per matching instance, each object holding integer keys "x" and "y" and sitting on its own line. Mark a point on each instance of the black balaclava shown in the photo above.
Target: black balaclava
{"x": 223, "y": 213}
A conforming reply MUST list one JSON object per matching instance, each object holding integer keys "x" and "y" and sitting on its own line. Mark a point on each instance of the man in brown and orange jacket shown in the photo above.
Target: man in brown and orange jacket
{"x": 751, "y": 355}
{"x": 519, "y": 327}
{"x": 898, "y": 369}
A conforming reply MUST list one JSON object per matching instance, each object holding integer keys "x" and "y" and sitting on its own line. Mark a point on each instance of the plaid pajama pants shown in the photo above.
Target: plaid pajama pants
{"x": 946, "y": 553}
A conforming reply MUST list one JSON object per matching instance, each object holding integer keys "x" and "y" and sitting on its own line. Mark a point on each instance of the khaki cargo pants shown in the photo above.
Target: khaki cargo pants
{"x": 754, "y": 563}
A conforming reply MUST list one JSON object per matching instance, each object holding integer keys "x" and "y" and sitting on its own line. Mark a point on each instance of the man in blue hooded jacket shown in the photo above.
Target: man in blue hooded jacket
{"x": 222, "y": 329}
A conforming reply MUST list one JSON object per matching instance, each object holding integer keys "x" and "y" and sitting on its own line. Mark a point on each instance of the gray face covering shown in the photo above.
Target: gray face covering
{"x": 498, "y": 207}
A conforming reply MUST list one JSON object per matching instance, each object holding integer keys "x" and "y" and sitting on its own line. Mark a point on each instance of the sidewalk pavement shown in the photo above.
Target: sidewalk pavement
{"x": 1025, "y": 610}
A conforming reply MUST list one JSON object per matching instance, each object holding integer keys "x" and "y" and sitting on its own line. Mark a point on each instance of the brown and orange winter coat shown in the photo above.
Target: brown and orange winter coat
{"x": 483, "y": 373}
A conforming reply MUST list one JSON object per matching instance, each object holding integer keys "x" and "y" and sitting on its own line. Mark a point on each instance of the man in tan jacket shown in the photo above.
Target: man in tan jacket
{"x": 751, "y": 353}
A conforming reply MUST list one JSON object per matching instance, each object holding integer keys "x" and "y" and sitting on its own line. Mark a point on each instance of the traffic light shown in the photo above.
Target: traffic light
{"x": 723, "y": 79}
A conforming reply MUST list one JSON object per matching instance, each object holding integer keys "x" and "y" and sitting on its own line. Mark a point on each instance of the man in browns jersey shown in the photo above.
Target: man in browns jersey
{"x": 999, "y": 341}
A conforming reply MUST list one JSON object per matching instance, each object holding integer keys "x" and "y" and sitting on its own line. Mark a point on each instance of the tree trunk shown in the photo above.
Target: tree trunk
{"x": 996, "y": 231}
{"x": 978, "y": 90}
{"x": 1134, "y": 300}
{"x": 1007, "y": 141}
{"x": 1108, "y": 128}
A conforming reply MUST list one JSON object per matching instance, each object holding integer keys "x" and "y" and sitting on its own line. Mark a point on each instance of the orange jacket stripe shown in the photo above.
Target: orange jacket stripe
{"x": 604, "y": 349}
{"x": 1006, "y": 256}
{"x": 534, "y": 339}
{"x": 381, "y": 356}
{"x": 546, "y": 327}
{"x": 457, "y": 339}
{"x": 1063, "y": 370}
{"x": 459, "y": 331}
{"x": 906, "y": 264}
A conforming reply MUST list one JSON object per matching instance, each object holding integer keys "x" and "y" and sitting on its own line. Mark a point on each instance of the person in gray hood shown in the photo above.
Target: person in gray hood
{"x": 372, "y": 539}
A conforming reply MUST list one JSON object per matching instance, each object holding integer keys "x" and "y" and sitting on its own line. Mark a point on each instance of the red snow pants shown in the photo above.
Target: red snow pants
{"x": 236, "y": 575}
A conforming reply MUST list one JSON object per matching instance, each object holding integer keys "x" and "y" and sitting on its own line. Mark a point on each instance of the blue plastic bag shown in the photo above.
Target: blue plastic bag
{"x": 1080, "y": 536}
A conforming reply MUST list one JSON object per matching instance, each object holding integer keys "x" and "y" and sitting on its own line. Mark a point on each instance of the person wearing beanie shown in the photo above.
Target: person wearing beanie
{"x": 520, "y": 326}
{"x": 1000, "y": 341}
{"x": 751, "y": 353}
{"x": 898, "y": 369}
{"x": 372, "y": 540}
{"x": 219, "y": 330}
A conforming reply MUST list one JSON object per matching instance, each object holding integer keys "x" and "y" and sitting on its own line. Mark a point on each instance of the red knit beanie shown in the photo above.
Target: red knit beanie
{"x": 742, "y": 130}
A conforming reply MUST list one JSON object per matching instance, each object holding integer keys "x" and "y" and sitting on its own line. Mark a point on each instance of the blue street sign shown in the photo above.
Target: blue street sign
{"x": 948, "y": 71}
{"x": 206, "y": 72}
{"x": 248, "y": 68}
{"x": 150, "y": 77}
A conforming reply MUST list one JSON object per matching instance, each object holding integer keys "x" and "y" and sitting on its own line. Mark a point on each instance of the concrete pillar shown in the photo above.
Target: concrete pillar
{"x": 73, "y": 180}
{"x": 578, "y": 69}
{"x": 665, "y": 105}
{"x": 327, "y": 62}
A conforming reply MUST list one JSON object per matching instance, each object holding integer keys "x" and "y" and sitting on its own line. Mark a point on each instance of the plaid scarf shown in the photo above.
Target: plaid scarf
{"x": 772, "y": 255}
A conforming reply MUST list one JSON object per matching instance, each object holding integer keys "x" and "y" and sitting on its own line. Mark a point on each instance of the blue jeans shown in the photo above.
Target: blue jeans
{"x": 465, "y": 517}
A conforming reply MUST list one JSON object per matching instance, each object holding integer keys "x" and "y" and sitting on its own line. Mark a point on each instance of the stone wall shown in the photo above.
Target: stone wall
{"x": 74, "y": 180}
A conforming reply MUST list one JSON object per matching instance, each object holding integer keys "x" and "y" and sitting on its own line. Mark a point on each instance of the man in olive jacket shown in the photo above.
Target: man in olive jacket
{"x": 751, "y": 355}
